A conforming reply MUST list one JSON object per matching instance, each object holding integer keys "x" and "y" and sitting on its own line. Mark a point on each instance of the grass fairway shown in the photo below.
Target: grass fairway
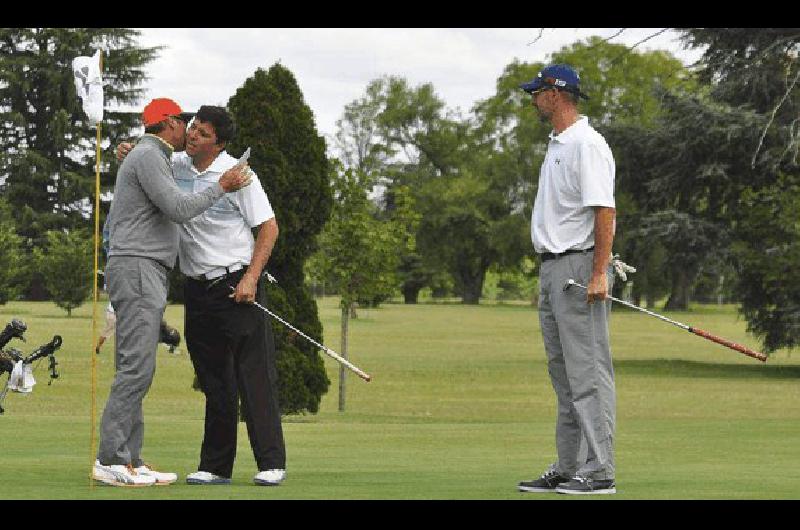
{"x": 460, "y": 407}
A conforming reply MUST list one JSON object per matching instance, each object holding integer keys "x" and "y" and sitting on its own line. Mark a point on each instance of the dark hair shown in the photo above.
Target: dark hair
{"x": 220, "y": 119}
{"x": 156, "y": 127}
{"x": 572, "y": 96}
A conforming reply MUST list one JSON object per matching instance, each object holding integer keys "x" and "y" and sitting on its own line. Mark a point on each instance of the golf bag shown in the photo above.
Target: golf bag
{"x": 20, "y": 376}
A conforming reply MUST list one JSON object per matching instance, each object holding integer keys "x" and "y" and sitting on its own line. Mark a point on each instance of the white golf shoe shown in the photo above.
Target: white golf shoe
{"x": 162, "y": 478}
{"x": 204, "y": 478}
{"x": 120, "y": 475}
{"x": 270, "y": 477}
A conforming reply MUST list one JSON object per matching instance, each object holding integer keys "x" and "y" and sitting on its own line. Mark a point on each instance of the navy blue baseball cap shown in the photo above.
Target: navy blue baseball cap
{"x": 560, "y": 76}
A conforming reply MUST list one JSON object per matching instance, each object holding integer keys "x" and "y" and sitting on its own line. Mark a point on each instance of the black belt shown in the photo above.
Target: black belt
{"x": 545, "y": 256}
{"x": 228, "y": 272}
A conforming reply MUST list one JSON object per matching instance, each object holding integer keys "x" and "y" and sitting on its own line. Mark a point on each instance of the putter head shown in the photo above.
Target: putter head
{"x": 569, "y": 283}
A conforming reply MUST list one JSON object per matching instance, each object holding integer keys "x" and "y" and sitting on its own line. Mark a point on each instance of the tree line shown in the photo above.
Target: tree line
{"x": 706, "y": 184}
{"x": 422, "y": 196}
{"x": 47, "y": 173}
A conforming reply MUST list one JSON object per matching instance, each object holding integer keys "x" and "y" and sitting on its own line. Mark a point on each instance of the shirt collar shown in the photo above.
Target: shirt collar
{"x": 568, "y": 133}
{"x": 222, "y": 163}
{"x": 164, "y": 142}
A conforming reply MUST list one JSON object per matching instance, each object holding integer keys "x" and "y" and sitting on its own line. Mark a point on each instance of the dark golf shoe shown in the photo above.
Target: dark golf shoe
{"x": 547, "y": 483}
{"x": 587, "y": 486}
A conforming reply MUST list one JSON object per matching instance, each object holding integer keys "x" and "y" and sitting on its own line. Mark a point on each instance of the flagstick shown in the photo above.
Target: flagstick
{"x": 94, "y": 306}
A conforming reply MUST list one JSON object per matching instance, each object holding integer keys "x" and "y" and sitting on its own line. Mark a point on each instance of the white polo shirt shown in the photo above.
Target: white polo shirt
{"x": 220, "y": 236}
{"x": 576, "y": 175}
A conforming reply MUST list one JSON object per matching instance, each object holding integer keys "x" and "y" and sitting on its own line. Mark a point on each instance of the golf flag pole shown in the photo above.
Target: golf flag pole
{"x": 93, "y": 412}
{"x": 89, "y": 86}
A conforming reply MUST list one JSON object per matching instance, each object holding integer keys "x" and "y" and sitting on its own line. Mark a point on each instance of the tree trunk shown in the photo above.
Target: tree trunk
{"x": 36, "y": 291}
{"x": 342, "y": 371}
{"x": 472, "y": 288}
{"x": 411, "y": 294}
{"x": 679, "y": 295}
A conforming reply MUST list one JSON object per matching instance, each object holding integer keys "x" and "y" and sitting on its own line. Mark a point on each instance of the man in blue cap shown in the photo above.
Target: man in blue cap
{"x": 572, "y": 229}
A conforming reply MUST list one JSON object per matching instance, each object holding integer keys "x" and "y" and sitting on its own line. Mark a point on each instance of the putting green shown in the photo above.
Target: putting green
{"x": 460, "y": 407}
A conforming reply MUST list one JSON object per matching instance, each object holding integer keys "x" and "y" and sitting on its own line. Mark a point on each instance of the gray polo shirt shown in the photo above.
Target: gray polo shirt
{"x": 148, "y": 203}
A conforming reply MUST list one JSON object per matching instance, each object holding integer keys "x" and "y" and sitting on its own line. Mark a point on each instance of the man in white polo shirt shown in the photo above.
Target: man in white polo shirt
{"x": 572, "y": 229}
{"x": 229, "y": 340}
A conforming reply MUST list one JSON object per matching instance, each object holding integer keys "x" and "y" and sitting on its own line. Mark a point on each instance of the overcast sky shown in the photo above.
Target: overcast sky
{"x": 334, "y": 65}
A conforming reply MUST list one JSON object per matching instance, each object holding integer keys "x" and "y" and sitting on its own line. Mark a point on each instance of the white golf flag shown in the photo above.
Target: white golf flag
{"x": 89, "y": 85}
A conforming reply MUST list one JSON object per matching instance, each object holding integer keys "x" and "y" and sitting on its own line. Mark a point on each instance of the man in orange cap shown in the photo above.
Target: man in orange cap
{"x": 143, "y": 247}
{"x": 230, "y": 343}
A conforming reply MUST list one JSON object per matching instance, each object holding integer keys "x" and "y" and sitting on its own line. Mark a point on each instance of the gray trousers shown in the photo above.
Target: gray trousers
{"x": 579, "y": 362}
{"x": 137, "y": 289}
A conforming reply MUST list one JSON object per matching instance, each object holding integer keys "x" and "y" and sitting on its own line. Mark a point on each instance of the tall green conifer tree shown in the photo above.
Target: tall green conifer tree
{"x": 288, "y": 154}
{"x": 47, "y": 148}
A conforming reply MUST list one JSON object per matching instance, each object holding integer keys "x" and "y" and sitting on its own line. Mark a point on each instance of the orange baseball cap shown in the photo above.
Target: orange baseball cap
{"x": 160, "y": 109}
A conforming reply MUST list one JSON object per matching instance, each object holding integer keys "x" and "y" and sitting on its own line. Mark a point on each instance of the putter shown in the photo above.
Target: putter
{"x": 366, "y": 377}
{"x": 699, "y": 332}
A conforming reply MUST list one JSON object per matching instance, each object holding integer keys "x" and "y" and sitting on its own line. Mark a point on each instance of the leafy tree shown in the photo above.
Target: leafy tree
{"x": 47, "y": 149}
{"x": 359, "y": 251}
{"x": 752, "y": 66}
{"x": 757, "y": 70}
{"x": 12, "y": 263}
{"x": 64, "y": 263}
{"x": 466, "y": 224}
{"x": 415, "y": 141}
{"x": 687, "y": 170}
{"x": 690, "y": 242}
{"x": 401, "y": 136}
{"x": 622, "y": 85}
{"x": 288, "y": 155}
{"x": 768, "y": 255}
{"x": 358, "y": 137}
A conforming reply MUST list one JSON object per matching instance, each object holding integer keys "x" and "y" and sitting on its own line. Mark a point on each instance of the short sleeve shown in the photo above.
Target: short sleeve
{"x": 254, "y": 204}
{"x": 596, "y": 166}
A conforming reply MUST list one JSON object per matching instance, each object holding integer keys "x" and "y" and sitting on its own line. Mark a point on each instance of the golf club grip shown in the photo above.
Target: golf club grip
{"x": 363, "y": 375}
{"x": 732, "y": 345}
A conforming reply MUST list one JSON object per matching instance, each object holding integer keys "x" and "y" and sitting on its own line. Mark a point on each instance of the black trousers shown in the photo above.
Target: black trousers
{"x": 233, "y": 351}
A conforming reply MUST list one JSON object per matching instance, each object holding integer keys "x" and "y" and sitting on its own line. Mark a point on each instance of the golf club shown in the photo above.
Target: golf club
{"x": 699, "y": 332}
{"x": 330, "y": 352}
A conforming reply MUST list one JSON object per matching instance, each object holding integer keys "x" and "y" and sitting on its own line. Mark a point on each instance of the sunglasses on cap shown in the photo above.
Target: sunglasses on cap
{"x": 540, "y": 90}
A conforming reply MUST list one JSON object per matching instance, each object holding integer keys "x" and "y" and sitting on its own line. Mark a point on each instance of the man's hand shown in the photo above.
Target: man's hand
{"x": 236, "y": 178}
{"x": 604, "y": 225}
{"x": 597, "y": 290}
{"x": 122, "y": 150}
{"x": 245, "y": 292}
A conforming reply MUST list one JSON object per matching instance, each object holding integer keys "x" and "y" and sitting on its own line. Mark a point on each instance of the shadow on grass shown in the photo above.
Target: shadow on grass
{"x": 682, "y": 368}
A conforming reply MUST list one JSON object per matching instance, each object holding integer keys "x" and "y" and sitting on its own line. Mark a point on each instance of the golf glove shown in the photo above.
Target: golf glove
{"x": 621, "y": 268}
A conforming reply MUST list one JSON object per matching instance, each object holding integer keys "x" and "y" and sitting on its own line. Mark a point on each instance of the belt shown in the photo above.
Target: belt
{"x": 546, "y": 256}
{"x": 217, "y": 273}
